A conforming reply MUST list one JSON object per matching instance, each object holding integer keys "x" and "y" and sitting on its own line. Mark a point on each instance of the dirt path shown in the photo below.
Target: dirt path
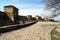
{"x": 38, "y": 31}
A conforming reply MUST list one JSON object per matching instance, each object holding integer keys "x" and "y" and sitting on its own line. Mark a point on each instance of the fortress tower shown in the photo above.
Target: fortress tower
{"x": 12, "y": 13}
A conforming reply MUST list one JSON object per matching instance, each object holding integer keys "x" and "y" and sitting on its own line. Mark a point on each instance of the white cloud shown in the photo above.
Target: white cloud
{"x": 32, "y": 12}
{"x": 29, "y": 12}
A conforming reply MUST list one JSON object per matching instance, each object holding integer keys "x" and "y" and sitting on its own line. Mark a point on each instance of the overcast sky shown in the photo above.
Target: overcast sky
{"x": 27, "y": 7}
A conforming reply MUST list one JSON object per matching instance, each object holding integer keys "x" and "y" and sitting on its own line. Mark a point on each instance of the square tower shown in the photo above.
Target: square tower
{"x": 29, "y": 17}
{"x": 12, "y": 13}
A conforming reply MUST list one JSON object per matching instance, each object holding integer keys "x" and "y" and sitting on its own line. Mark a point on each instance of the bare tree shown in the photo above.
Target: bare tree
{"x": 53, "y": 4}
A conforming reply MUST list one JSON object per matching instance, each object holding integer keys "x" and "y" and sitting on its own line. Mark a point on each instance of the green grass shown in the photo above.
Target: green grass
{"x": 55, "y": 33}
{"x": 54, "y": 38}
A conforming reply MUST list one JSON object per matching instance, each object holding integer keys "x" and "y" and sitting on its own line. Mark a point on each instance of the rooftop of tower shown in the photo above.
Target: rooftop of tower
{"x": 11, "y": 6}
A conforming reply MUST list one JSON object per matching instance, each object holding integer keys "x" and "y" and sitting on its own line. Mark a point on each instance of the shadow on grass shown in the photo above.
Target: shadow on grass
{"x": 8, "y": 29}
